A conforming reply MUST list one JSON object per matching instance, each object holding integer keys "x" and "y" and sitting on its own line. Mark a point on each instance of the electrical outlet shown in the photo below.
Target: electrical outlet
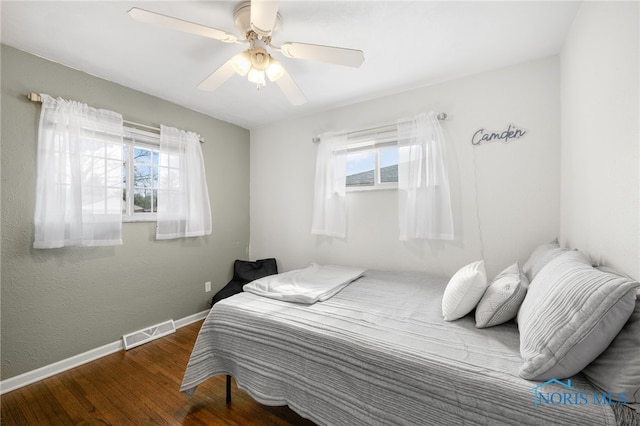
{"x": 207, "y": 286}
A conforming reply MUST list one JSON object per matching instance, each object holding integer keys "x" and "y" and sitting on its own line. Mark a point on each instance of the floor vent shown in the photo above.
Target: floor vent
{"x": 139, "y": 337}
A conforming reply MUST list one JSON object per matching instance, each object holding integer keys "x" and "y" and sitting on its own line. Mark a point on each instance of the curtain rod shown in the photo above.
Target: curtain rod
{"x": 34, "y": 97}
{"x": 387, "y": 127}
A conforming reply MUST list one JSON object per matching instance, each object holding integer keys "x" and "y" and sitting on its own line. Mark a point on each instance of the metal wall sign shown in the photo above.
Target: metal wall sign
{"x": 507, "y": 135}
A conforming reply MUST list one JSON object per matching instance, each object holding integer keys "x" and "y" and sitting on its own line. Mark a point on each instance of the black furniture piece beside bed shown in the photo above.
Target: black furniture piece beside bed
{"x": 245, "y": 271}
{"x": 379, "y": 352}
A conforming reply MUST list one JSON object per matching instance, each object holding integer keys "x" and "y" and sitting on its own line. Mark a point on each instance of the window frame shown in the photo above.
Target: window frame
{"x": 133, "y": 138}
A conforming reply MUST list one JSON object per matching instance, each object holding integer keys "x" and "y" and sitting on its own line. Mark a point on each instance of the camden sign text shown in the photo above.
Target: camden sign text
{"x": 509, "y": 134}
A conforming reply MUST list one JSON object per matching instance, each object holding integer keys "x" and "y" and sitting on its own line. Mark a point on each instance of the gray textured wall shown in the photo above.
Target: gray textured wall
{"x": 61, "y": 302}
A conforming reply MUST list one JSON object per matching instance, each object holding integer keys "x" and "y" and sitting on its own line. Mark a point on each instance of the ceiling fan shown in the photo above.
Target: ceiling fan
{"x": 257, "y": 21}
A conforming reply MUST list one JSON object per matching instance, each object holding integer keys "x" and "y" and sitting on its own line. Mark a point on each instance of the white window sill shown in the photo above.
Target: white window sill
{"x": 140, "y": 217}
{"x": 379, "y": 187}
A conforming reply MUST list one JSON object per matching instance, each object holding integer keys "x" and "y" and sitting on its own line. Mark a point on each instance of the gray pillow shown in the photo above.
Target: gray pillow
{"x": 542, "y": 255}
{"x": 503, "y": 297}
{"x": 617, "y": 370}
{"x": 570, "y": 314}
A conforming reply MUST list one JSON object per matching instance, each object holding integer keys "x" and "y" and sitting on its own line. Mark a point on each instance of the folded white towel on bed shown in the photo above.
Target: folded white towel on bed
{"x": 309, "y": 285}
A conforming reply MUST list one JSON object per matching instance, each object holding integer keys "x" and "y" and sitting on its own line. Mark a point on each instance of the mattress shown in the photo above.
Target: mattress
{"x": 377, "y": 353}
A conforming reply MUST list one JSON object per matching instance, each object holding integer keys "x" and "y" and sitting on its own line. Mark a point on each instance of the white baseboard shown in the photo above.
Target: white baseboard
{"x": 41, "y": 373}
{"x": 191, "y": 319}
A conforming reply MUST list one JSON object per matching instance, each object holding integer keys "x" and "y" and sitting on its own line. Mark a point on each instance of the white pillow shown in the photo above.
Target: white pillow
{"x": 542, "y": 255}
{"x": 503, "y": 297}
{"x": 464, "y": 291}
{"x": 617, "y": 369}
{"x": 570, "y": 315}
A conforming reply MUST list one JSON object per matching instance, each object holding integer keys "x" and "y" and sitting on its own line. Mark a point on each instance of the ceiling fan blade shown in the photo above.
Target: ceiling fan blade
{"x": 219, "y": 76}
{"x": 333, "y": 55}
{"x": 158, "y": 19}
{"x": 290, "y": 89}
{"x": 263, "y": 16}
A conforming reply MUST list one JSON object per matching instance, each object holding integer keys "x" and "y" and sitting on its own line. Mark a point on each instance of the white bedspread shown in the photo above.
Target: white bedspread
{"x": 316, "y": 283}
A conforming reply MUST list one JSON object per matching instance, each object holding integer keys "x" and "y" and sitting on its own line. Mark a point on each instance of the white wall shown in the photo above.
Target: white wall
{"x": 505, "y": 196}
{"x": 600, "y": 210}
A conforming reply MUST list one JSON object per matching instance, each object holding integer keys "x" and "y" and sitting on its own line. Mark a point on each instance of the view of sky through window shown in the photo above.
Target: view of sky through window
{"x": 362, "y": 165}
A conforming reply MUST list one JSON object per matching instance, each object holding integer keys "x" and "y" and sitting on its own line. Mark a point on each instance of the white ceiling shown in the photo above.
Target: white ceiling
{"x": 405, "y": 44}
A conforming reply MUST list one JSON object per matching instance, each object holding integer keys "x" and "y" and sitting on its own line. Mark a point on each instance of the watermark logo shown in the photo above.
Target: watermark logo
{"x": 556, "y": 392}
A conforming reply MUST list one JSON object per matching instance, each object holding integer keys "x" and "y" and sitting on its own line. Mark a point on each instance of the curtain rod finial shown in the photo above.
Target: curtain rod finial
{"x": 315, "y": 140}
{"x": 34, "y": 97}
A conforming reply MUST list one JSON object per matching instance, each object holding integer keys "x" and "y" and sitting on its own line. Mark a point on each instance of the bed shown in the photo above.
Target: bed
{"x": 379, "y": 352}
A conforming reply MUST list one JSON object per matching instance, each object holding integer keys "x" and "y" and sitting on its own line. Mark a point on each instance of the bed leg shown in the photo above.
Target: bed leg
{"x": 228, "y": 389}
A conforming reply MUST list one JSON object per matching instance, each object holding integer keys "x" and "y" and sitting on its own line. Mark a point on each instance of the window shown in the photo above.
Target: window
{"x": 372, "y": 161}
{"x": 140, "y": 176}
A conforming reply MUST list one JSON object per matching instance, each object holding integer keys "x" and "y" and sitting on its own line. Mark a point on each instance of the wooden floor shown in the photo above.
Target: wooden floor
{"x": 138, "y": 387}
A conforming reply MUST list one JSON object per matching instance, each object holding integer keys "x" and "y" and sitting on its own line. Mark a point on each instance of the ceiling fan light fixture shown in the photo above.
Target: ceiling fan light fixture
{"x": 275, "y": 69}
{"x": 260, "y": 59}
{"x": 241, "y": 63}
{"x": 257, "y": 77}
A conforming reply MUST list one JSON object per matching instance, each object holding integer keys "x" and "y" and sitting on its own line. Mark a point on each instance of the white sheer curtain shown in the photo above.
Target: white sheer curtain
{"x": 424, "y": 202}
{"x": 329, "y": 204}
{"x": 79, "y": 176}
{"x": 183, "y": 197}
